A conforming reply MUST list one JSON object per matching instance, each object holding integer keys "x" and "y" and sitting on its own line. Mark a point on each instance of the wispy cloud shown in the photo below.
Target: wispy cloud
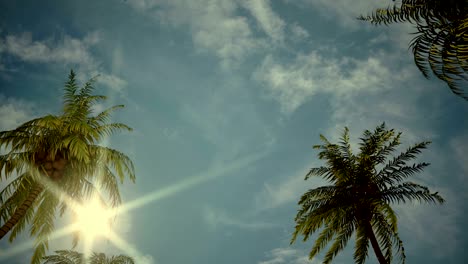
{"x": 287, "y": 256}
{"x": 460, "y": 148}
{"x": 14, "y": 112}
{"x": 217, "y": 217}
{"x": 223, "y": 28}
{"x": 214, "y": 26}
{"x": 414, "y": 221}
{"x": 267, "y": 19}
{"x": 145, "y": 259}
{"x": 342, "y": 11}
{"x": 288, "y": 191}
{"x": 292, "y": 84}
{"x": 66, "y": 50}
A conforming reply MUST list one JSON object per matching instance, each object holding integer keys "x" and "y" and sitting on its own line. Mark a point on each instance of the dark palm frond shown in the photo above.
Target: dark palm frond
{"x": 393, "y": 142}
{"x": 394, "y": 175}
{"x": 336, "y": 163}
{"x": 388, "y": 236}
{"x": 122, "y": 259}
{"x": 73, "y": 257}
{"x": 359, "y": 197}
{"x": 362, "y": 245}
{"x": 440, "y": 45}
{"x": 104, "y": 116}
{"x": 323, "y": 172}
{"x": 24, "y": 185}
{"x": 390, "y": 172}
{"x": 345, "y": 231}
{"x": 409, "y": 191}
{"x": 65, "y": 257}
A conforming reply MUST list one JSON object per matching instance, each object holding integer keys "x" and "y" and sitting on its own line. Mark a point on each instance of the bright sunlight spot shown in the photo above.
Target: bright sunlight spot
{"x": 93, "y": 219}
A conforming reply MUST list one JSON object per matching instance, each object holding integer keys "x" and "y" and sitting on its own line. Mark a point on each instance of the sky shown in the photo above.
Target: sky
{"x": 226, "y": 99}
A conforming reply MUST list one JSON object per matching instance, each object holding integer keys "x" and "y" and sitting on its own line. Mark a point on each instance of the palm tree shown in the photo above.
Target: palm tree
{"x": 59, "y": 152}
{"x": 359, "y": 197}
{"x": 73, "y": 257}
{"x": 441, "y": 42}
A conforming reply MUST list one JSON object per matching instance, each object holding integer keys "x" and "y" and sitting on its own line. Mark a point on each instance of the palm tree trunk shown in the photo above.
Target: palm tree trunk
{"x": 375, "y": 244}
{"x": 21, "y": 211}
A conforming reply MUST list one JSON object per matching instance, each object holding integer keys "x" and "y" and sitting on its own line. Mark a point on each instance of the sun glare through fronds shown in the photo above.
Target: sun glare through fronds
{"x": 93, "y": 219}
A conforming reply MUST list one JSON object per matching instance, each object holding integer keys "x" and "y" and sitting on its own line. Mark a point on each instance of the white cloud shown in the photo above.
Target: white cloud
{"x": 287, "y": 256}
{"x": 145, "y": 259}
{"x": 286, "y": 192}
{"x": 214, "y": 25}
{"x": 344, "y": 11}
{"x": 67, "y": 50}
{"x": 414, "y": 221}
{"x": 219, "y": 27}
{"x": 294, "y": 83}
{"x": 217, "y": 217}
{"x": 267, "y": 19}
{"x": 460, "y": 148}
{"x": 298, "y": 32}
{"x": 14, "y": 112}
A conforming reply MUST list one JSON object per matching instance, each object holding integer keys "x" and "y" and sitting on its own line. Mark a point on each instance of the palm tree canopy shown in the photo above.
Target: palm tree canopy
{"x": 73, "y": 257}
{"x": 441, "y": 42}
{"x": 59, "y": 152}
{"x": 357, "y": 201}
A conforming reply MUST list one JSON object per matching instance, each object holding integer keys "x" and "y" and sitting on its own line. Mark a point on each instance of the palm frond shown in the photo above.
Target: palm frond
{"x": 122, "y": 259}
{"x": 440, "y": 44}
{"x": 72, "y": 136}
{"x": 104, "y": 116}
{"x": 342, "y": 238}
{"x": 116, "y": 160}
{"x": 65, "y": 257}
{"x": 358, "y": 199}
{"x": 362, "y": 245}
{"x": 409, "y": 191}
{"x": 323, "y": 172}
{"x": 398, "y": 162}
{"x": 109, "y": 129}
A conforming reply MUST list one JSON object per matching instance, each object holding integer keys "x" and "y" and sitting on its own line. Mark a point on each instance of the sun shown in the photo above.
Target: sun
{"x": 93, "y": 219}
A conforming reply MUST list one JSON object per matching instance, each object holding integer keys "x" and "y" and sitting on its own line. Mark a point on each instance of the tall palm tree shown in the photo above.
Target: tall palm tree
{"x": 73, "y": 257}
{"x": 358, "y": 198}
{"x": 59, "y": 152}
{"x": 441, "y": 42}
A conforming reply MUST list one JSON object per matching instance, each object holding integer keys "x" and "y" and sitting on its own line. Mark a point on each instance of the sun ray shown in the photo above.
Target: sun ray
{"x": 216, "y": 171}
{"x": 30, "y": 243}
{"x": 127, "y": 248}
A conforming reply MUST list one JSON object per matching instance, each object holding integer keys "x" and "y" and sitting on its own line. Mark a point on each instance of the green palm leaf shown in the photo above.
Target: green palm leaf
{"x": 359, "y": 199}
{"x": 62, "y": 150}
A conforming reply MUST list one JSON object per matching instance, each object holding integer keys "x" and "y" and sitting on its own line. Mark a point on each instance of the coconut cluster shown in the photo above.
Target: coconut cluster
{"x": 53, "y": 167}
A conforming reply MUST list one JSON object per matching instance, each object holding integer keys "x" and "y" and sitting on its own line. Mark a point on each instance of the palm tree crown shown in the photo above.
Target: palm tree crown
{"x": 358, "y": 198}
{"x": 59, "y": 152}
{"x": 73, "y": 257}
{"x": 441, "y": 43}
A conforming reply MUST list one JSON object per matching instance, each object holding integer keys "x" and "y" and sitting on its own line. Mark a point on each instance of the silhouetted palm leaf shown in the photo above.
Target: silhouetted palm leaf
{"x": 441, "y": 42}
{"x": 359, "y": 197}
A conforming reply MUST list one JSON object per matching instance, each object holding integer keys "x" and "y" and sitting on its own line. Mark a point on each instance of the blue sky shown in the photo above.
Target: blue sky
{"x": 226, "y": 98}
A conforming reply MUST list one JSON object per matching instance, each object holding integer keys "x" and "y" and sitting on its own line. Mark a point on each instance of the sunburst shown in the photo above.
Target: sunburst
{"x": 93, "y": 217}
